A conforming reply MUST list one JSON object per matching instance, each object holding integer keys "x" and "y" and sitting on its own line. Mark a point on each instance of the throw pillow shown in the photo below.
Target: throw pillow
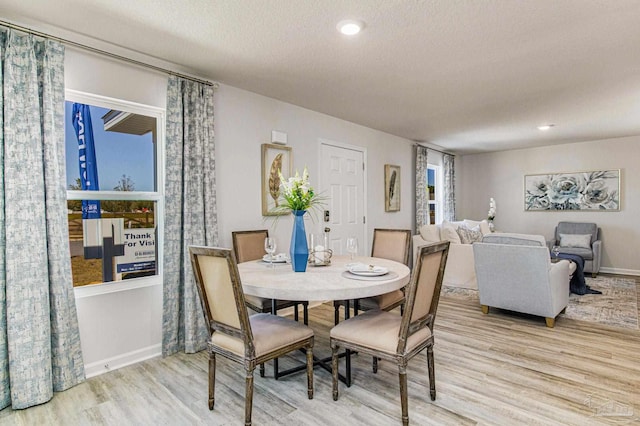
{"x": 448, "y": 233}
{"x": 575, "y": 240}
{"x": 430, "y": 232}
{"x": 484, "y": 225}
{"x": 469, "y": 236}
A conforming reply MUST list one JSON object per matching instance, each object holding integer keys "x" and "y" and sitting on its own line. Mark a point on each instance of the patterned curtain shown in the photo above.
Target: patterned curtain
{"x": 422, "y": 193}
{"x": 39, "y": 336}
{"x": 449, "y": 187}
{"x": 190, "y": 212}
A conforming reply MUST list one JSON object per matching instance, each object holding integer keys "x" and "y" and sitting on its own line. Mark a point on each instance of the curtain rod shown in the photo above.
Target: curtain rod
{"x": 105, "y": 53}
{"x": 433, "y": 149}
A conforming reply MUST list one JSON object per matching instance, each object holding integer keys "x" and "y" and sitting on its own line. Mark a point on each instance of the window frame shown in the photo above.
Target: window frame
{"x": 438, "y": 192}
{"x": 157, "y": 196}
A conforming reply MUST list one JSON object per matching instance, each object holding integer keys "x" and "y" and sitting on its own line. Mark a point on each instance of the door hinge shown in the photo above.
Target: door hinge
{"x": 364, "y": 219}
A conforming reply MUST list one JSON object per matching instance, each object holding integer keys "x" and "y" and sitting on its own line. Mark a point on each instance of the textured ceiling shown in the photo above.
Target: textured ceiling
{"x": 469, "y": 76}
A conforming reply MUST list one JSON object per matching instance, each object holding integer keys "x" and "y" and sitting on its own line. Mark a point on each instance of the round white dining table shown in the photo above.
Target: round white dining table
{"x": 332, "y": 282}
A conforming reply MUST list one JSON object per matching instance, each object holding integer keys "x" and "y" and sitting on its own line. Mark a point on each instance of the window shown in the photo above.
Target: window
{"x": 114, "y": 196}
{"x": 434, "y": 188}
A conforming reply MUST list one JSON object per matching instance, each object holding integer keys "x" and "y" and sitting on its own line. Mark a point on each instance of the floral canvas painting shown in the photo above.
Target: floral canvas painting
{"x": 596, "y": 190}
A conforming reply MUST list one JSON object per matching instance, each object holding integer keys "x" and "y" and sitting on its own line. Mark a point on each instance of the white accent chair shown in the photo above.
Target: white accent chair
{"x": 515, "y": 273}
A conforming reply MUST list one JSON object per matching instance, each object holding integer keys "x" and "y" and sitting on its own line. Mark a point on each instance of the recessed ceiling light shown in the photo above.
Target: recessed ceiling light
{"x": 350, "y": 26}
{"x": 545, "y": 127}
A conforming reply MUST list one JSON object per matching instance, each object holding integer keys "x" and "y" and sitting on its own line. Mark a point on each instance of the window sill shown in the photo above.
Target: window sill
{"x": 115, "y": 287}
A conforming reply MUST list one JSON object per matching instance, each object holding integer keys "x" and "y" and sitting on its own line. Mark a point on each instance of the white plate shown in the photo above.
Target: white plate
{"x": 276, "y": 259}
{"x": 365, "y": 271}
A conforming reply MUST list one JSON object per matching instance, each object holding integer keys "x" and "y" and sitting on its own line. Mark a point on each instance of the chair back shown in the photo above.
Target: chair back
{"x": 249, "y": 245}
{"x": 582, "y": 228}
{"x": 392, "y": 244}
{"x": 221, "y": 295}
{"x": 423, "y": 292}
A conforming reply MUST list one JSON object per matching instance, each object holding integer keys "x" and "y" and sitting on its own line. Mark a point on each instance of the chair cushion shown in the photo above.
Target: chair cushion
{"x": 382, "y": 301}
{"x": 575, "y": 240}
{"x": 270, "y": 332}
{"x": 377, "y": 330}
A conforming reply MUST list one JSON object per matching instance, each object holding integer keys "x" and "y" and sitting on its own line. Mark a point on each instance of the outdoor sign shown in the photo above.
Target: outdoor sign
{"x": 86, "y": 158}
{"x": 139, "y": 251}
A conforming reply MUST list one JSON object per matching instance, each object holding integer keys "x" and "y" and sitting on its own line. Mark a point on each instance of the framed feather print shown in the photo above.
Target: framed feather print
{"x": 391, "y": 188}
{"x": 274, "y": 158}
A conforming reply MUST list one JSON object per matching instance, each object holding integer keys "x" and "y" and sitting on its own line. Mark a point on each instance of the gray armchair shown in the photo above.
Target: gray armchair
{"x": 590, "y": 249}
{"x": 515, "y": 272}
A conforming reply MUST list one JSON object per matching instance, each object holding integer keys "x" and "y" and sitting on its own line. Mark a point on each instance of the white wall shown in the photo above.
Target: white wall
{"x": 244, "y": 121}
{"x": 122, "y": 327}
{"x": 501, "y": 175}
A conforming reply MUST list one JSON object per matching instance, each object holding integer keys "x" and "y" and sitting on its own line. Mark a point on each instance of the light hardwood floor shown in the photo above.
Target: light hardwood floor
{"x": 497, "y": 369}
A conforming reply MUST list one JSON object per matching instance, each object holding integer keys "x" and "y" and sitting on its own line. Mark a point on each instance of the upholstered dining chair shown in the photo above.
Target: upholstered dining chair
{"x": 399, "y": 338}
{"x": 392, "y": 244}
{"x": 247, "y": 246}
{"x": 248, "y": 340}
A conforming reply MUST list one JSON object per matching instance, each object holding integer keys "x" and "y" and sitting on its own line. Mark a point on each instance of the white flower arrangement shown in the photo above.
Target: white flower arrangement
{"x": 298, "y": 193}
{"x": 492, "y": 209}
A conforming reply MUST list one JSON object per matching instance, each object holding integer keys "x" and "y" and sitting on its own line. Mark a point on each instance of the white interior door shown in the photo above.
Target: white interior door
{"x": 342, "y": 182}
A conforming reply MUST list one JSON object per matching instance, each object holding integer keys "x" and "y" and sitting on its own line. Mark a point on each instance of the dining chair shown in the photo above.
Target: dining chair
{"x": 392, "y": 244}
{"x": 249, "y": 245}
{"x": 248, "y": 340}
{"x": 398, "y": 338}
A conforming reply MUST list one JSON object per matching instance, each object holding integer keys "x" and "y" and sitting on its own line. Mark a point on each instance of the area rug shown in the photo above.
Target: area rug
{"x": 617, "y": 305}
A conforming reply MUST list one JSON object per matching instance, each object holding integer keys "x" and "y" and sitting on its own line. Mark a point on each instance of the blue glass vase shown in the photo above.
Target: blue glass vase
{"x": 298, "y": 249}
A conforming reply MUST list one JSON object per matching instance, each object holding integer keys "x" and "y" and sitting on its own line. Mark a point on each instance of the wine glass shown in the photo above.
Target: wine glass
{"x": 270, "y": 248}
{"x": 556, "y": 251}
{"x": 352, "y": 246}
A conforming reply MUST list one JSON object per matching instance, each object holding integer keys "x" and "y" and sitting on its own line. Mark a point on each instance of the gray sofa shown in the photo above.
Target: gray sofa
{"x": 591, "y": 252}
{"x": 514, "y": 272}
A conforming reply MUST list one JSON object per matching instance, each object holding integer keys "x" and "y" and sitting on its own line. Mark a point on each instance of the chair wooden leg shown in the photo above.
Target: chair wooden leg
{"x": 551, "y": 322}
{"x": 403, "y": 394}
{"x": 295, "y": 312}
{"x": 212, "y": 379}
{"x": 594, "y": 274}
{"x": 375, "y": 364}
{"x": 334, "y": 371}
{"x": 310, "y": 372}
{"x": 432, "y": 373}
{"x": 248, "y": 397}
{"x": 305, "y": 313}
{"x": 485, "y": 309}
{"x": 262, "y": 370}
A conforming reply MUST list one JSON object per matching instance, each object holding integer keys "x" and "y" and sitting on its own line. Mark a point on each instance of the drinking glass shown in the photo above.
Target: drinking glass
{"x": 270, "y": 248}
{"x": 352, "y": 246}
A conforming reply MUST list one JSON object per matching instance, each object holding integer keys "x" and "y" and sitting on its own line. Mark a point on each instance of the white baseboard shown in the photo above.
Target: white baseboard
{"x": 122, "y": 360}
{"x": 618, "y": 271}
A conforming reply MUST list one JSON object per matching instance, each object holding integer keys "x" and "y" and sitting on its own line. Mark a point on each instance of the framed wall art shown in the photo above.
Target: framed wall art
{"x": 597, "y": 190}
{"x": 391, "y": 188}
{"x": 274, "y": 158}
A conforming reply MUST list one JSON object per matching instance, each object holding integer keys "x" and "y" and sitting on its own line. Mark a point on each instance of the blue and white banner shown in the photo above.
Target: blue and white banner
{"x": 87, "y": 158}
